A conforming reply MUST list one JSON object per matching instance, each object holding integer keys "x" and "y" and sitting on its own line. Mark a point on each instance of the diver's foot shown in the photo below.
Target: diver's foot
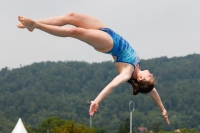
{"x": 21, "y": 26}
{"x": 26, "y": 23}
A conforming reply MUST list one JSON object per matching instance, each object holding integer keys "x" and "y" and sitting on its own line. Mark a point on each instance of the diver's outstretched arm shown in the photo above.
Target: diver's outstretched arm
{"x": 155, "y": 96}
{"x": 121, "y": 78}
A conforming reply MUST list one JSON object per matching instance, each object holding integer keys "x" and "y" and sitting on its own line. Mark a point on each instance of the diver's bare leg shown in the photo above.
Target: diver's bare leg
{"x": 75, "y": 19}
{"x": 100, "y": 40}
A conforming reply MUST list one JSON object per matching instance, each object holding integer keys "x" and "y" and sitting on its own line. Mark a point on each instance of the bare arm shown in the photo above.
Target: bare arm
{"x": 155, "y": 96}
{"x": 107, "y": 90}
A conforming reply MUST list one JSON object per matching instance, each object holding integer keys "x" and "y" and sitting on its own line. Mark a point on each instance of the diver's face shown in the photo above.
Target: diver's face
{"x": 146, "y": 75}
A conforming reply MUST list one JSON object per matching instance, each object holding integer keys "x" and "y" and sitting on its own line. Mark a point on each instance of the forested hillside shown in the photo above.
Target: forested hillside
{"x": 62, "y": 89}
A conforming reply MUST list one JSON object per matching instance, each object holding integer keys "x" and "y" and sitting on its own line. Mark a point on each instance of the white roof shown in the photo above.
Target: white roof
{"x": 19, "y": 128}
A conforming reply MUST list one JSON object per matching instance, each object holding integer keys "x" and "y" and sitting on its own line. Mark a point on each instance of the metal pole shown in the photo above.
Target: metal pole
{"x": 89, "y": 102}
{"x": 131, "y": 109}
{"x": 130, "y": 122}
{"x": 90, "y": 121}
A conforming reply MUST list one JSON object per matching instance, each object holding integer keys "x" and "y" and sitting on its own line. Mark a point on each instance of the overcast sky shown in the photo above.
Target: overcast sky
{"x": 154, "y": 28}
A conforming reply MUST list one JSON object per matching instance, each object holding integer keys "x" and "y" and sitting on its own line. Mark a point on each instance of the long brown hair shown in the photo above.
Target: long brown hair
{"x": 142, "y": 86}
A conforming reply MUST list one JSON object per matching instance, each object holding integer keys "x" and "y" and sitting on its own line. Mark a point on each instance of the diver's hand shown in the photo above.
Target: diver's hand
{"x": 165, "y": 115}
{"x": 93, "y": 108}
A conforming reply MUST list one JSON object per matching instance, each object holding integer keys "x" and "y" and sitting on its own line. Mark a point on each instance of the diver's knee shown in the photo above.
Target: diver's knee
{"x": 71, "y": 15}
{"x": 73, "y": 31}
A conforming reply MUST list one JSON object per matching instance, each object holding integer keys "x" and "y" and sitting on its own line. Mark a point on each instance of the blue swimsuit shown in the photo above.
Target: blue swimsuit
{"x": 121, "y": 49}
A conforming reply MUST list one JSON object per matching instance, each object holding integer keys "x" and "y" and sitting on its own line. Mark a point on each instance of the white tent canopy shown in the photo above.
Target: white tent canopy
{"x": 19, "y": 128}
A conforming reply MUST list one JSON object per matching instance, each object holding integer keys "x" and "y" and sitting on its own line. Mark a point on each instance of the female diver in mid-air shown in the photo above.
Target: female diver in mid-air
{"x": 102, "y": 39}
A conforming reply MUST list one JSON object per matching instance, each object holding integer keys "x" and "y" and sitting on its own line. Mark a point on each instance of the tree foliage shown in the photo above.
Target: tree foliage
{"x": 125, "y": 127}
{"x": 57, "y": 125}
{"x": 41, "y": 90}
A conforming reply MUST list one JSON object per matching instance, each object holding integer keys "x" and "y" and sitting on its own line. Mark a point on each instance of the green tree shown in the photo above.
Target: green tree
{"x": 156, "y": 126}
{"x": 71, "y": 127}
{"x": 125, "y": 127}
{"x": 50, "y": 123}
{"x": 40, "y": 90}
{"x": 189, "y": 131}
